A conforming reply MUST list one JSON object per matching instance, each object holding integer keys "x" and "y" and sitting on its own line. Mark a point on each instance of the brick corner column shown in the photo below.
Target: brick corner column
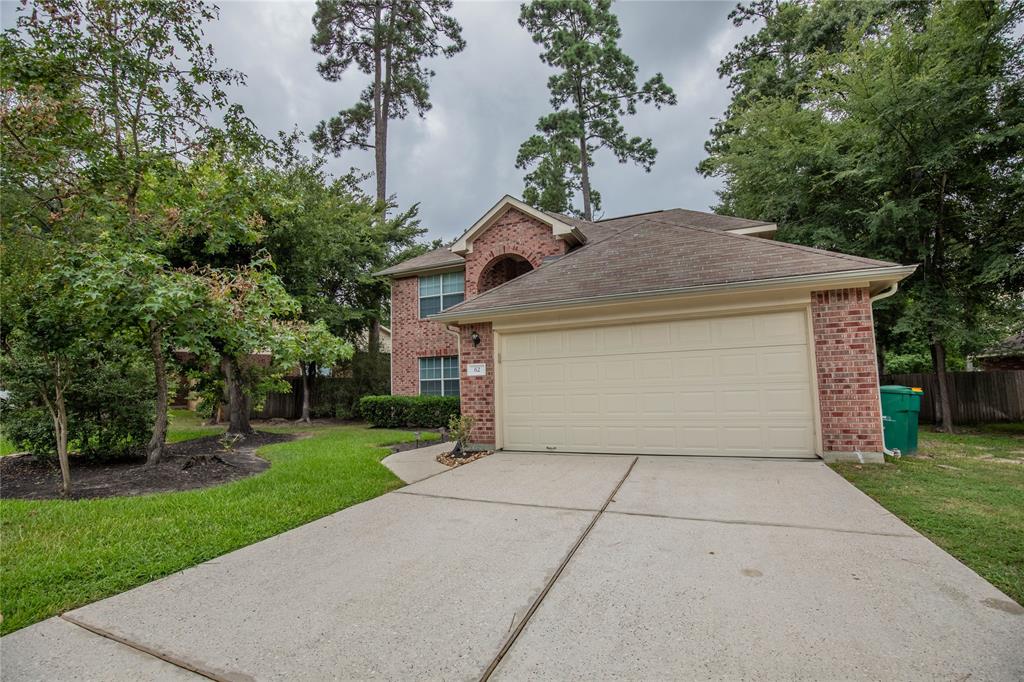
{"x": 847, "y": 370}
{"x": 477, "y": 393}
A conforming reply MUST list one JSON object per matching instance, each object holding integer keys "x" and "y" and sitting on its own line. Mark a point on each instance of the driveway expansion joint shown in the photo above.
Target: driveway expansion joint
{"x": 769, "y": 524}
{"x": 173, "y": 660}
{"x": 554, "y": 578}
{"x": 502, "y": 502}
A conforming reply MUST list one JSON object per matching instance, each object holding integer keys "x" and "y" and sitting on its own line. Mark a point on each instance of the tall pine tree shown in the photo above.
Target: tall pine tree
{"x": 389, "y": 40}
{"x": 594, "y": 87}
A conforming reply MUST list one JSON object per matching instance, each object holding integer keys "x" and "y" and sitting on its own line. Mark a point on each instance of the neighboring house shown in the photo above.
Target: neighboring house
{"x": 670, "y": 332}
{"x": 1008, "y": 354}
{"x": 385, "y": 340}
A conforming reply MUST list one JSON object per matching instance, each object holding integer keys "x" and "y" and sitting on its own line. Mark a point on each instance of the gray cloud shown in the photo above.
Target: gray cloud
{"x": 459, "y": 159}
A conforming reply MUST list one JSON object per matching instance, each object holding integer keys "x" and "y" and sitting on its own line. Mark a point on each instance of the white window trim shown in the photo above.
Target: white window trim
{"x": 443, "y": 379}
{"x": 440, "y": 296}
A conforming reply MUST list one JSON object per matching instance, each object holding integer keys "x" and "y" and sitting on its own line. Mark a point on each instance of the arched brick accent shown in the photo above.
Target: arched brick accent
{"x": 413, "y": 338}
{"x": 501, "y": 269}
{"x": 513, "y": 233}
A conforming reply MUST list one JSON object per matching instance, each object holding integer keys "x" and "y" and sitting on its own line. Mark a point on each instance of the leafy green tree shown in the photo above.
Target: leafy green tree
{"x": 106, "y": 105}
{"x": 316, "y": 346}
{"x": 44, "y": 346}
{"x": 390, "y": 40}
{"x": 130, "y": 289}
{"x": 327, "y": 238}
{"x": 245, "y": 307}
{"x": 904, "y": 144}
{"x": 777, "y": 60}
{"x": 594, "y": 86}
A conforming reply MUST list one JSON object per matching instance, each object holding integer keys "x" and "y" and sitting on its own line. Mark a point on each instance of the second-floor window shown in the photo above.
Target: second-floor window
{"x": 440, "y": 292}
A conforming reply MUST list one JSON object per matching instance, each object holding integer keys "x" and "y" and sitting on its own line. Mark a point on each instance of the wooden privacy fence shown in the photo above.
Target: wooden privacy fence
{"x": 289, "y": 405}
{"x": 975, "y": 397}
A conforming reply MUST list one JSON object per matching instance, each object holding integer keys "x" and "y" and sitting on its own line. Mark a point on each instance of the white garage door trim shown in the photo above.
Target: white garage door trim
{"x": 569, "y": 420}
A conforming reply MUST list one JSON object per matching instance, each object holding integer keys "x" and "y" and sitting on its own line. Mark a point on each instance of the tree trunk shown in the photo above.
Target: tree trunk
{"x": 238, "y": 401}
{"x": 306, "y": 390}
{"x": 380, "y": 149}
{"x": 373, "y": 340}
{"x": 155, "y": 449}
{"x": 585, "y": 180}
{"x": 379, "y": 116}
{"x": 59, "y": 415}
{"x": 944, "y": 399}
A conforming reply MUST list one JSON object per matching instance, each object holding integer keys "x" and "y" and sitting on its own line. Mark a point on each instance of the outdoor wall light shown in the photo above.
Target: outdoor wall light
{"x": 475, "y": 338}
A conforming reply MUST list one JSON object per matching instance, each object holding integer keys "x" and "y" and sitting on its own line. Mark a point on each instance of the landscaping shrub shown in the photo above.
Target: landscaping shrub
{"x": 110, "y": 403}
{"x": 363, "y": 375}
{"x": 396, "y": 411}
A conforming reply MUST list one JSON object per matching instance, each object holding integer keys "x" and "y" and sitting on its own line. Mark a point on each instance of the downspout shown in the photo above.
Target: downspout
{"x": 455, "y": 331}
{"x": 884, "y": 293}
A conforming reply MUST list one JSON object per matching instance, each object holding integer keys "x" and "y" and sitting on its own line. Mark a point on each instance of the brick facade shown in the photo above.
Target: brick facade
{"x": 413, "y": 338}
{"x": 842, "y": 325}
{"x": 844, "y": 347}
{"x": 515, "y": 233}
{"x": 478, "y": 392}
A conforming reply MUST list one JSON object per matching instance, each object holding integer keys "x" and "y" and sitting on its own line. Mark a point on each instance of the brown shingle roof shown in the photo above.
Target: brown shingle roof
{"x": 602, "y": 229}
{"x": 438, "y": 258}
{"x": 593, "y": 231}
{"x": 1011, "y": 347}
{"x": 651, "y": 254}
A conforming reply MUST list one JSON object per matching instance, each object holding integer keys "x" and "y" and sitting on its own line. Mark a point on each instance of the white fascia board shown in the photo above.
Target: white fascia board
{"x": 865, "y": 277}
{"x": 464, "y": 244}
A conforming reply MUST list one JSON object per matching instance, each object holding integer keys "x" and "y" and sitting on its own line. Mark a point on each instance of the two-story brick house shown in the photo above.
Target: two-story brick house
{"x": 669, "y": 332}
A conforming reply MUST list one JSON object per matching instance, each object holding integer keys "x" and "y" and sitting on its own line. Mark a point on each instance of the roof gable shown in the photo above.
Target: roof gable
{"x": 559, "y": 228}
{"x": 652, "y": 256}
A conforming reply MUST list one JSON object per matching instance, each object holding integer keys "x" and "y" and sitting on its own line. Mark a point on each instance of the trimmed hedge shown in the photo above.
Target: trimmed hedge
{"x": 397, "y": 411}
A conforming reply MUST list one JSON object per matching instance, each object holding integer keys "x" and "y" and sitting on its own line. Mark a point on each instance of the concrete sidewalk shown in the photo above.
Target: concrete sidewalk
{"x": 415, "y": 465}
{"x": 521, "y": 566}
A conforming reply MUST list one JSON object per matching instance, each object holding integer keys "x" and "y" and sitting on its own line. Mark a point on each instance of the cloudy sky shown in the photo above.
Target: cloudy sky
{"x": 459, "y": 159}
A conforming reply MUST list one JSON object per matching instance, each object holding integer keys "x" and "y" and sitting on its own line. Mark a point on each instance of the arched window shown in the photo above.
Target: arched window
{"x": 502, "y": 269}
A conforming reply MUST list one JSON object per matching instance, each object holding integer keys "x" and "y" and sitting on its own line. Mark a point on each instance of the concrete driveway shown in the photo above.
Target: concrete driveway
{"x": 524, "y": 566}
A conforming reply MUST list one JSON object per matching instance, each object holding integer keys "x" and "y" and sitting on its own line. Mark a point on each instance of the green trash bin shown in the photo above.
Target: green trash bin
{"x": 900, "y": 408}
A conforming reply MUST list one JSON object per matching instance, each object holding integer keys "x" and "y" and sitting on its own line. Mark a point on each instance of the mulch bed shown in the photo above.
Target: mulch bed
{"x": 188, "y": 465}
{"x": 450, "y": 461}
{"x": 416, "y": 445}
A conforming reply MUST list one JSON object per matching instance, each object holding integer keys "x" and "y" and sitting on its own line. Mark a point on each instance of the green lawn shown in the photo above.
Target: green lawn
{"x": 965, "y": 492}
{"x": 186, "y": 425}
{"x": 57, "y": 555}
{"x": 6, "y": 446}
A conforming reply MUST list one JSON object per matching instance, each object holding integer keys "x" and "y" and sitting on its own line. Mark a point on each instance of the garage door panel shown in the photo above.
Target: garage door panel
{"x": 662, "y": 388}
{"x": 690, "y": 367}
{"x": 788, "y": 327}
{"x": 582, "y": 372}
{"x": 783, "y": 439}
{"x": 620, "y": 405}
{"x": 785, "y": 402}
{"x": 657, "y": 404}
{"x": 695, "y": 404}
{"x": 615, "y": 369}
{"x": 734, "y": 366}
{"x": 790, "y": 363}
{"x": 740, "y": 404}
{"x": 691, "y": 334}
{"x": 584, "y": 439}
{"x": 734, "y": 331}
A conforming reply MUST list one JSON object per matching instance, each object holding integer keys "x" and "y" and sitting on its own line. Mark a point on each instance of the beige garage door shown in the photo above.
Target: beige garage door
{"x": 737, "y": 386}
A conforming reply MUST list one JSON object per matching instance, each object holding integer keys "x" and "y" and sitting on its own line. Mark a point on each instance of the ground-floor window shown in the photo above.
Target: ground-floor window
{"x": 439, "y": 376}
